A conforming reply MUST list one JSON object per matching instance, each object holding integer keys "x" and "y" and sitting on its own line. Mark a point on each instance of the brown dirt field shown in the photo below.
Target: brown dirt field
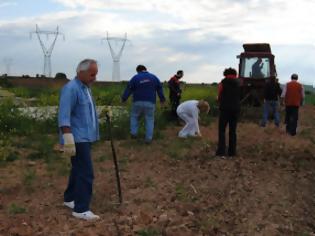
{"x": 176, "y": 187}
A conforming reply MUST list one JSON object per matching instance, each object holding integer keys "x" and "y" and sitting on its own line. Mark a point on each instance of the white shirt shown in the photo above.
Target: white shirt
{"x": 92, "y": 105}
{"x": 190, "y": 108}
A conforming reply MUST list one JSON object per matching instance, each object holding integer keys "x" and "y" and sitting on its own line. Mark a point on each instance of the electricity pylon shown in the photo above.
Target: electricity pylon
{"x": 116, "y": 46}
{"x": 47, "y": 50}
{"x": 7, "y": 63}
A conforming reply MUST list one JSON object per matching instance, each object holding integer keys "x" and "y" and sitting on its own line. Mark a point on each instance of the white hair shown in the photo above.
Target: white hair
{"x": 85, "y": 64}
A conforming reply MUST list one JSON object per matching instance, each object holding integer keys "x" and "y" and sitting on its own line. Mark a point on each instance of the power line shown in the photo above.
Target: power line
{"x": 7, "y": 63}
{"x": 47, "y": 50}
{"x": 116, "y": 55}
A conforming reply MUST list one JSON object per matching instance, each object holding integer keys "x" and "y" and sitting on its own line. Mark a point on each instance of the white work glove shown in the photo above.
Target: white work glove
{"x": 68, "y": 146}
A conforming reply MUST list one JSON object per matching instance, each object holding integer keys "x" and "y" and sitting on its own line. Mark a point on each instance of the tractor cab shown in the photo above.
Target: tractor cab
{"x": 256, "y": 66}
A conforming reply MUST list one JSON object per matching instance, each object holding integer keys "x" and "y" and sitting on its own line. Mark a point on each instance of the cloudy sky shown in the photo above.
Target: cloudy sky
{"x": 201, "y": 37}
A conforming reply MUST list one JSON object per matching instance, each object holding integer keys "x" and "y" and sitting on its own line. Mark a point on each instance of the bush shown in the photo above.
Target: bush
{"x": 5, "y": 83}
{"x": 14, "y": 123}
{"x": 119, "y": 128}
{"x": 7, "y": 152}
{"x": 60, "y": 76}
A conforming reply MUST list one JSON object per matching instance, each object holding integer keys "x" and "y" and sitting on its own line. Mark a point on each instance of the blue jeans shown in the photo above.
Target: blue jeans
{"x": 137, "y": 110}
{"x": 81, "y": 178}
{"x": 273, "y": 107}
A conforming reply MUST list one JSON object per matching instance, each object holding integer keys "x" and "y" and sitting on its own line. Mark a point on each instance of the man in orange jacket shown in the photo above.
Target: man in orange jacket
{"x": 293, "y": 96}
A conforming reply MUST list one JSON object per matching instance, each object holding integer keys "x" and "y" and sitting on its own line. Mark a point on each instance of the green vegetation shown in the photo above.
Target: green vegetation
{"x": 310, "y": 98}
{"x": 110, "y": 94}
{"x": 148, "y": 232}
{"x": 22, "y": 135}
{"x": 179, "y": 148}
{"x": 16, "y": 209}
{"x": 149, "y": 183}
{"x": 19, "y": 130}
{"x": 209, "y": 222}
{"x": 29, "y": 176}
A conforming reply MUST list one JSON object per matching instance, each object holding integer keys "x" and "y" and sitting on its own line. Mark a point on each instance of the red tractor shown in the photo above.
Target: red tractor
{"x": 255, "y": 68}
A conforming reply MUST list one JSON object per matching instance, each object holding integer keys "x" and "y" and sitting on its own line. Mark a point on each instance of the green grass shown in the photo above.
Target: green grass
{"x": 149, "y": 183}
{"x": 17, "y": 130}
{"x": 103, "y": 158}
{"x": 16, "y": 209}
{"x": 179, "y": 147}
{"x": 181, "y": 192}
{"x": 148, "y": 232}
{"x": 123, "y": 163}
{"x": 7, "y": 150}
{"x": 310, "y": 99}
{"x": 209, "y": 222}
{"x": 29, "y": 176}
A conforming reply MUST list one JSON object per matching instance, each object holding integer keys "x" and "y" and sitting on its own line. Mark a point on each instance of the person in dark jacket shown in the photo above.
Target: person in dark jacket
{"x": 229, "y": 106}
{"x": 257, "y": 69}
{"x": 272, "y": 92}
{"x": 143, "y": 87}
{"x": 175, "y": 91}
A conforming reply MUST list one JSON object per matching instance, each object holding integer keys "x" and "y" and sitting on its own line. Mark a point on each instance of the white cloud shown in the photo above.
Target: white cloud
{"x": 197, "y": 36}
{"x": 206, "y": 73}
{"x": 6, "y": 4}
{"x": 251, "y": 20}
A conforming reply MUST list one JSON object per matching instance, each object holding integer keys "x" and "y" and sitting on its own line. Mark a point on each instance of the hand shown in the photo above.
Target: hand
{"x": 107, "y": 113}
{"x": 199, "y": 134}
{"x": 69, "y": 146}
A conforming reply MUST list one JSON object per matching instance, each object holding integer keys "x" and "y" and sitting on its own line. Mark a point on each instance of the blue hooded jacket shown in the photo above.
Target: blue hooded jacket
{"x": 143, "y": 87}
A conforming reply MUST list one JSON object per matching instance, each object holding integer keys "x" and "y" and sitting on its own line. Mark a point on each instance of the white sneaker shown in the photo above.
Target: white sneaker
{"x": 69, "y": 204}
{"x": 88, "y": 215}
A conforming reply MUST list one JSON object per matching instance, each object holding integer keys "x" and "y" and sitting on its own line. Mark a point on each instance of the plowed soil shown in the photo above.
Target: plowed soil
{"x": 177, "y": 187}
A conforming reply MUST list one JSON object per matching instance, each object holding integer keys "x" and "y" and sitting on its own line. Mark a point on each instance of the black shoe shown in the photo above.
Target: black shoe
{"x": 132, "y": 136}
{"x": 147, "y": 141}
{"x": 217, "y": 153}
{"x": 231, "y": 156}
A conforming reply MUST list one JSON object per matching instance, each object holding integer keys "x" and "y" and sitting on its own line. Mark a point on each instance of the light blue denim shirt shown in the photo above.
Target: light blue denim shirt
{"x": 77, "y": 112}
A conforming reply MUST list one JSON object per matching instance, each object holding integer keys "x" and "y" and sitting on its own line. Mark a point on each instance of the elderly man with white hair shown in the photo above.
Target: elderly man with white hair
{"x": 78, "y": 123}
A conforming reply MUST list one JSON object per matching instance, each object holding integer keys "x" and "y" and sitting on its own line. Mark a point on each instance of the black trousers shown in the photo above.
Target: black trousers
{"x": 291, "y": 119}
{"x": 174, "y": 104}
{"x": 227, "y": 118}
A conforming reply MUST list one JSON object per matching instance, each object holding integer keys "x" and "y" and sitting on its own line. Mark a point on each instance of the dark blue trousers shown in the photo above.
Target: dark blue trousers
{"x": 291, "y": 119}
{"x": 80, "y": 185}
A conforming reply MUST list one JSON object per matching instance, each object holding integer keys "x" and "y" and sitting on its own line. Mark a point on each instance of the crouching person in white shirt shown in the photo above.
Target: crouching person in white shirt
{"x": 189, "y": 112}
